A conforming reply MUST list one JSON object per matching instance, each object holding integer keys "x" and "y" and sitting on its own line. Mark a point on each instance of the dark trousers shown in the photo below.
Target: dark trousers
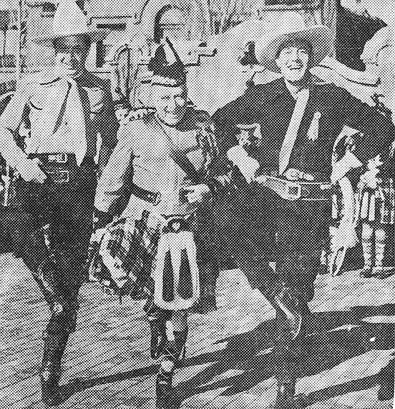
{"x": 259, "y": 227}
{"x": 57, "y": 238}
{"x": 302, "y": 233}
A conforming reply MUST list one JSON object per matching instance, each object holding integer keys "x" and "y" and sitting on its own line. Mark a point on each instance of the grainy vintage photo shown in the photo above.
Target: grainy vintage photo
{"x": 197, "y": 204}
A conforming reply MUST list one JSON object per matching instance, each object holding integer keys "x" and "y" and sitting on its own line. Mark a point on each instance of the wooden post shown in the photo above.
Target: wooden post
{"x": 18, "y": 59}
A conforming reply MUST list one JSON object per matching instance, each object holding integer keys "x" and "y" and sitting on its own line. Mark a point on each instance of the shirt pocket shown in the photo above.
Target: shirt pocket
{"x": 36, "y": 105}
{"x": 36, "y": 102}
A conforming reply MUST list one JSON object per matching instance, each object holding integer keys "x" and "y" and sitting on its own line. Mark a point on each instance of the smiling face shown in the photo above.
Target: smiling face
{"x": 293, "y": 61}
{"x": 170, "y": 103}
{"x": 70, "y": 54}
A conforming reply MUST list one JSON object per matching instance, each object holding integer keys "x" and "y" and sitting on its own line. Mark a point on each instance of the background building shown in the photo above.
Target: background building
{"x": 193, "y": 20}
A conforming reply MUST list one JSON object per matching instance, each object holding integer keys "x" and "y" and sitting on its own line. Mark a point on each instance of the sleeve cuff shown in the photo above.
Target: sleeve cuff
{"x": 236, "y": 154}
{"x": 101, "y": 219}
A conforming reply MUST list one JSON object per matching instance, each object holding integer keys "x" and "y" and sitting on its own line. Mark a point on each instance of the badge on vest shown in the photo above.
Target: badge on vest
{"x": 250, "y": 135}
{"x": 312, "y": 133}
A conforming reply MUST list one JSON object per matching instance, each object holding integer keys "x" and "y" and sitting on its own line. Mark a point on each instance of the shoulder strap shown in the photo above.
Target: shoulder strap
{"x": 180, "y": 158}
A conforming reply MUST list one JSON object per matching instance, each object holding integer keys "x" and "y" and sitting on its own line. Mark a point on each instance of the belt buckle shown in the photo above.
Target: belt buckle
{"x": 175, "y": 224}
{"x": 156, "y": 199}
{"x": 57, "y": 158}
{"x": 60, "y": 176}
{"x": 294, "y": 191}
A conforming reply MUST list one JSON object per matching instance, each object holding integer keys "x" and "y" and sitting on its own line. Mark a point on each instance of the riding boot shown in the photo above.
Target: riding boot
{"x": 283, "y": 301}
{"x": 46, "y": 276}
{"x": 164, "y": 382}
{"x": 208, "y": 273}
{"x": 54, "y": 346}
{"x": 180, "y": 339}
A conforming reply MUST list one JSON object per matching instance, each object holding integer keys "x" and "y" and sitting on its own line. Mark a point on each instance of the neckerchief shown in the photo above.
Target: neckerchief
{"x": 293, "y": 128}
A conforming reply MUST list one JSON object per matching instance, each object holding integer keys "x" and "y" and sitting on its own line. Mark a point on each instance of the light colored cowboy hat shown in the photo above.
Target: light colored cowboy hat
{"x": 69, "y": 20}
{"x": 293, "y": 27}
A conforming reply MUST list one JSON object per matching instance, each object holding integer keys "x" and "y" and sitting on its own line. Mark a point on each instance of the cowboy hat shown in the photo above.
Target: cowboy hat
{"x": 293, "y": 27}
{"x": 69, "y": 20}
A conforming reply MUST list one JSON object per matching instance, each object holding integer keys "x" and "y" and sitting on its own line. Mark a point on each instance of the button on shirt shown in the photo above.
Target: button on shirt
{"x": 29, "y": 102}
{"x": 328, "y": 109}
{"x": 142, "y": 158}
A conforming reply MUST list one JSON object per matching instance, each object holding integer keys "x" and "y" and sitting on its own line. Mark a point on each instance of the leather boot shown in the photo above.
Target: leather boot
{"x": 54, "y": 346}
{"x": 285, "y": 395}
{"x": 283, "y": 301}
{"x": 207, "y": 302}
{"x": 208, "y": 273}
{"x": 164, "y": 388}
{"x": 47, "y": 273}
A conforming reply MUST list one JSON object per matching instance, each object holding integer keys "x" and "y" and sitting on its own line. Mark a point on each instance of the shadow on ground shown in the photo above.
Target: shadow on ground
{"x": 333, "y": 338}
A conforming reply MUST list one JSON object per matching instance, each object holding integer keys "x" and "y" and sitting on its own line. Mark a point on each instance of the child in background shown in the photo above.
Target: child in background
{"x": 377, "y": 213}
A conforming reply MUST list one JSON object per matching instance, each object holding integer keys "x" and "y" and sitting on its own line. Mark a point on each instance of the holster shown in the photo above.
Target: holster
{"x": 61, "y": 168}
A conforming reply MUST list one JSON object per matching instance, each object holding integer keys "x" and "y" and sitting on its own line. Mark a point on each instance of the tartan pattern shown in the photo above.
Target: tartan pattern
{"x": 133, "y": 245}
{"x": 384, "y": 209}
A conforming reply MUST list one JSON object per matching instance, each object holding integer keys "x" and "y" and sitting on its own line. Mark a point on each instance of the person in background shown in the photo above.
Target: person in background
{"x": 376, "y": 193}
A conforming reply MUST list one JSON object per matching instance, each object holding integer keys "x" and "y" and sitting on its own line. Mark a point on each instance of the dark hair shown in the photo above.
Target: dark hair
{"x": 85, "y": 37}
{"x": 296, "y": 42}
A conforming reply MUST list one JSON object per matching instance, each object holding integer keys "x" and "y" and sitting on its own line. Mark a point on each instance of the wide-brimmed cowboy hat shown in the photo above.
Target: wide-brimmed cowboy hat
{"x": 293, "y": 27}
{"x": 69, "y": 20}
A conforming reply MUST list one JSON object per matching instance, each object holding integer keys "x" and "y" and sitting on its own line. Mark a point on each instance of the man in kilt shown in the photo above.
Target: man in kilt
{"x": 376, "y": 196}
{"x": 65, "y": 108}
{"x": 156, "y": 180}
{"x": 298, "y": 122}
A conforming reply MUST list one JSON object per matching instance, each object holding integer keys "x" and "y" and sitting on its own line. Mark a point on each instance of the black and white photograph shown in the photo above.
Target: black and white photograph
{"x": 197, "y": 204}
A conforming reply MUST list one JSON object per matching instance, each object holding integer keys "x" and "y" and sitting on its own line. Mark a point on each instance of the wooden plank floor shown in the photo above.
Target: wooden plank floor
{"x": 229, "y": 362}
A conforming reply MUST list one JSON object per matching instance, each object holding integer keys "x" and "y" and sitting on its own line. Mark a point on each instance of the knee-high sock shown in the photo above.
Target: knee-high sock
{"x": 380, "y": 244}
{"x": 179, "y": 320}
{"x": 367, "y": 244}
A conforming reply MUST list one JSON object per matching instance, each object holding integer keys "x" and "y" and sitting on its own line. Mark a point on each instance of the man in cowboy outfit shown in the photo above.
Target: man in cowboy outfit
{"x": 299, "y": 121}
{"x": 156, "y": 179}
{"x": 66, "y": 108}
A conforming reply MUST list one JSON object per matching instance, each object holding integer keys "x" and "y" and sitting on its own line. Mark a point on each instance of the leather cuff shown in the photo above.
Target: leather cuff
{"x": 101, "y": 219}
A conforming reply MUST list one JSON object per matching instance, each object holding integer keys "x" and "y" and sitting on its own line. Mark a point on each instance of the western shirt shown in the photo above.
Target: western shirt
{"x": 28, "y": 103}
{"x": 328, "y": 109}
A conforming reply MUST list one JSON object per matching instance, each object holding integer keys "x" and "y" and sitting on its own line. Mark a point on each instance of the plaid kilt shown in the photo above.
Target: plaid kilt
{"x": 373, "y": 208}
{"x": 128, "y": 249}
{"x": 143, "y": 256}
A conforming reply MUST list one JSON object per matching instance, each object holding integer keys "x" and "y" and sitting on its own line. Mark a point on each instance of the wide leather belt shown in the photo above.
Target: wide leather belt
{"x": 147, "y": 195}
{"x": 296, "y": 190}
{"x": 61, "y": 167}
